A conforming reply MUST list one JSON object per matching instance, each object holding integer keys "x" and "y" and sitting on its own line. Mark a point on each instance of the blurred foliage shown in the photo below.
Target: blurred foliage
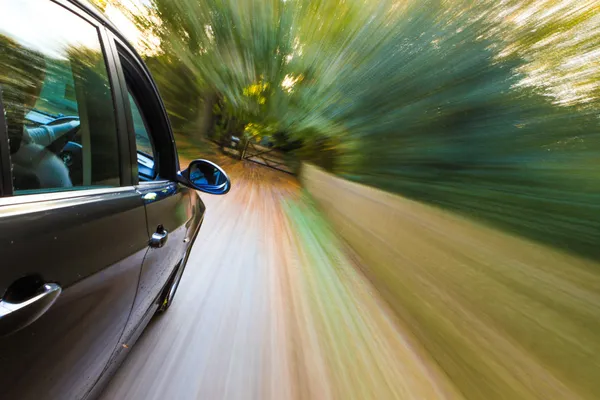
{"x": 178, "y": 88}
{"x": 101, "y": 4}
{"x": 21, "y": 70}
{"x": 487, "y": 108}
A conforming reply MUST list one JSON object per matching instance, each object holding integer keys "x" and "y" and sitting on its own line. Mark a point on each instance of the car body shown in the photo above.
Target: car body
{"x": 96, "y": 218}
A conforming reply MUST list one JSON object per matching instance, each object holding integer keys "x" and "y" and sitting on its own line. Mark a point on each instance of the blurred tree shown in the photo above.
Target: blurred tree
{"x": 488, "y": 108}
{"x": 424, "y": 100}
{"x": 559, "y": 41}
{"x": 226, "y": 52}
{"x": 179, "y": 89}
{"x": 100, "y": 4}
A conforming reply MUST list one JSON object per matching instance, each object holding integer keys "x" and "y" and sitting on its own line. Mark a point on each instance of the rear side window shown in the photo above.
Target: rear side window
{"x": 57, "y": 99}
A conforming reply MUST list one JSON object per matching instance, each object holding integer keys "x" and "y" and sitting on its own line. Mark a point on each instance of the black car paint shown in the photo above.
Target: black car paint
{"x": 93, "y": 247}
{"x": 94, "y": 244}
{"x": 168, "y": 205}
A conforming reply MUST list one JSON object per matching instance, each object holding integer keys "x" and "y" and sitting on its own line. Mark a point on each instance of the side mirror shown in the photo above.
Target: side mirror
{"x": 205, "y": 176}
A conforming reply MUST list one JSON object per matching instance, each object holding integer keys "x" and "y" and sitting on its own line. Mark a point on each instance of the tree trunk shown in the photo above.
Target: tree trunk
{"x": 205, "y": 120}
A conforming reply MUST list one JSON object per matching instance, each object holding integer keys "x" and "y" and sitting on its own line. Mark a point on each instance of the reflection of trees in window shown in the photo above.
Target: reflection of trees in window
{"x": 142, "y": 140}
{"x": 69, "y": 92}
{"x": 90, "y": 76}
{"x": 22, "y": 72}
{"x": 53, "y": 99}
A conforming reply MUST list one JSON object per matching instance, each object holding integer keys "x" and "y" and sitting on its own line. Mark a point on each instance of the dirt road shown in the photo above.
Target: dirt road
{"x": 272, "y": 306}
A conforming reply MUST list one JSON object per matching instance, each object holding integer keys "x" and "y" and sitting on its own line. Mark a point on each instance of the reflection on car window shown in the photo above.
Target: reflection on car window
{"x": 142, "y": 140}
{"x": 57, "y": 99}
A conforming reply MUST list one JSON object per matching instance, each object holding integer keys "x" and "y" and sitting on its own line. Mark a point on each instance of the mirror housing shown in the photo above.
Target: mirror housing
{"x": 205, "y": 176}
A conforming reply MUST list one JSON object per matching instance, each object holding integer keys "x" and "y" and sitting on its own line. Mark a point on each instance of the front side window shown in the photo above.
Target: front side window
{"x": 57, "y": 99}
{"x": 143, "y": 143}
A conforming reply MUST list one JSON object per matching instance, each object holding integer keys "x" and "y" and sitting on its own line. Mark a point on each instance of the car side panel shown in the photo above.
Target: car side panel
{"x": 149, "y": 292}
{"x": 167, "y": 204}
{"x": 93, "y": 247}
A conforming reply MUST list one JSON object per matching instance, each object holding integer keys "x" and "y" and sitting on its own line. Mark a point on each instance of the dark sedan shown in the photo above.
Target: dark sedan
{"x": 96, "y": 218}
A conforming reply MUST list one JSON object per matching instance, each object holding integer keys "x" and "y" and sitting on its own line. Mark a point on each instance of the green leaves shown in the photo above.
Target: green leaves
{"x": 458, "y": 103}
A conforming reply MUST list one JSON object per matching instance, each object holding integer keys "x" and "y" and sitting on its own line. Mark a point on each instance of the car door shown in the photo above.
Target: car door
{"x": 170, "y": 207}
{"x": 73, "y": 230}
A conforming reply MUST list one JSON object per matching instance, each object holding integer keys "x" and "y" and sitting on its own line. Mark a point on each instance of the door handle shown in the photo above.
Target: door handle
{"x": 159, "y": 238}
{"x": 17, "y": 315}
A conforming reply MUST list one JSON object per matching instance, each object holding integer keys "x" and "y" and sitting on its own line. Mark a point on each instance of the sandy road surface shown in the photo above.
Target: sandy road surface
{"x": 271, "y": 306}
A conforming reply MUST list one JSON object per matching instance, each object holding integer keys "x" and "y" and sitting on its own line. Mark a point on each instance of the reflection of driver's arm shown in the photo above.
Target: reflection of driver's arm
{"x": 45, "y": 136}
{"x": 41, "y": 135}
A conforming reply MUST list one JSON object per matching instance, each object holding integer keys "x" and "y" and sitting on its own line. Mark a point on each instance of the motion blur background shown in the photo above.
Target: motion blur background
{"x": 451, "y": 145}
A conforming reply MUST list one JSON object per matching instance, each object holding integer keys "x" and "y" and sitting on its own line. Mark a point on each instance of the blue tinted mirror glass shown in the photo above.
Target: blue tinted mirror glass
{"x": 208, "y": 177}
{"x": 205, "y": 174}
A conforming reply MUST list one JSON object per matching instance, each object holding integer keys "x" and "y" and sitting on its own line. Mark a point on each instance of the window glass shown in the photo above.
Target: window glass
{"x": 57, "y": 99}
{"x": 143, "y": 143}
